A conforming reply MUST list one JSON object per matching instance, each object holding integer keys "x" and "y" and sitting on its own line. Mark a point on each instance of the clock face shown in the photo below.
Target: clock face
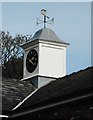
{"x": 31, "y": 60}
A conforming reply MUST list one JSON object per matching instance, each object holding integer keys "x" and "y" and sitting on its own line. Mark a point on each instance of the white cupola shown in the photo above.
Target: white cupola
{"x": 44, "y": 57}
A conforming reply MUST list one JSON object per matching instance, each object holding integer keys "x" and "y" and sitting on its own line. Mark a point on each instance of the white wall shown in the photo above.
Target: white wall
{"x": 52, "y": 60}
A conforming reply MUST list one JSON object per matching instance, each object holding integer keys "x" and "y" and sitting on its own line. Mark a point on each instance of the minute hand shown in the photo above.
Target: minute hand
{"x": 31, "y": 61}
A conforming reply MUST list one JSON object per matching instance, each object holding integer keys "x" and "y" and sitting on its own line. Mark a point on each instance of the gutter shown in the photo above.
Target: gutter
{"x": 50, "y": 105}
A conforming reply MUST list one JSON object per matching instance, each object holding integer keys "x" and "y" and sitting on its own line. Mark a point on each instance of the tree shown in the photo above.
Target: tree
{"x": 10, "y": 47}
{"x": 13, "y": 68}
{"x": 11, "y": 53}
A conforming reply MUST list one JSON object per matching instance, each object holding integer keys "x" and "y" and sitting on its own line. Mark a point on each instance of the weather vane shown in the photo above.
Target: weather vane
{"x": 45, "y": 17}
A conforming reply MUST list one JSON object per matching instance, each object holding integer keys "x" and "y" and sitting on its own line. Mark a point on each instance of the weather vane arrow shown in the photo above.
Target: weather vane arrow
{"x": 45, "y": 17}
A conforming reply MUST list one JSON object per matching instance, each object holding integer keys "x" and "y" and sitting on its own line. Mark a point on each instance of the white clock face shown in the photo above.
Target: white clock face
{"x": 31, "y": 60}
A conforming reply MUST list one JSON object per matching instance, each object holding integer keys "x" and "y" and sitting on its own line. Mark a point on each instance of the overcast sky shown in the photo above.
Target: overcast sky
{"x": 72, "y": 24}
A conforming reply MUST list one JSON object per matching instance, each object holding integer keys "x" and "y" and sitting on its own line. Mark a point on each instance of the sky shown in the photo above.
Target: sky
{"x": 72, "y": 24}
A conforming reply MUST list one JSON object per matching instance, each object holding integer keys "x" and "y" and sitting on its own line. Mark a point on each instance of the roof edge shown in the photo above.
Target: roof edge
{"x": 4, "y": 116}
{"x": 19, "y": 104}
{"x": 51, "y": 105}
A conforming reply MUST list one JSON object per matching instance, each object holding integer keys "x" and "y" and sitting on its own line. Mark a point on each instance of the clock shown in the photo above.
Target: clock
{"x": 31, "y": 60}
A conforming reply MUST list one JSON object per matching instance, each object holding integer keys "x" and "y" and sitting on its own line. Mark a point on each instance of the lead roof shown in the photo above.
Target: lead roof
{"x": 45, "y": 34}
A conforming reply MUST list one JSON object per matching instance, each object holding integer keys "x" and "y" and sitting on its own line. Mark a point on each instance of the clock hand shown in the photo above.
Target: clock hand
{"x": 30, "y": 60}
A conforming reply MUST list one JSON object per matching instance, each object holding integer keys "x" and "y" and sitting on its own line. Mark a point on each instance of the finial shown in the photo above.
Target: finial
{"x": 45, "y": 17}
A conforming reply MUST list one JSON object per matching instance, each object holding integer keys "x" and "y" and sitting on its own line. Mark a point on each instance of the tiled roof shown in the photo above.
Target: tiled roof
{"x": 13, "y": 92}
{"x": 73, "y": 85}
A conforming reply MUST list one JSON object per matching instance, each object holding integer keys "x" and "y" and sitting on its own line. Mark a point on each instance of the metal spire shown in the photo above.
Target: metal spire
{"x": 45, "y": 17}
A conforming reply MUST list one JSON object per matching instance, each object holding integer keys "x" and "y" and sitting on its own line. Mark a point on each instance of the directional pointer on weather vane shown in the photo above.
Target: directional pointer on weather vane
{"x": 45, "y": 17}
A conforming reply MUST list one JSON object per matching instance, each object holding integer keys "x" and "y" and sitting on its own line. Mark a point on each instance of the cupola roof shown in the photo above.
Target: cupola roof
{"x": 44, "y": 34}
{"x": 47, "y": 34}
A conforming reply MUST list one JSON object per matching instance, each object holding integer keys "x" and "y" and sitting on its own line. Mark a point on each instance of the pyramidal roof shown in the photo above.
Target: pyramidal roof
{"x": 44, "y": 34}
{"x": 47, "y": 34}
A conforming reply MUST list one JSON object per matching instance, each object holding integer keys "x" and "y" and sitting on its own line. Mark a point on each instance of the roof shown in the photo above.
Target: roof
{"x": 75, "y": 84}
{"x": 46, "y": 34}
{"x": 13, "y": 92}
